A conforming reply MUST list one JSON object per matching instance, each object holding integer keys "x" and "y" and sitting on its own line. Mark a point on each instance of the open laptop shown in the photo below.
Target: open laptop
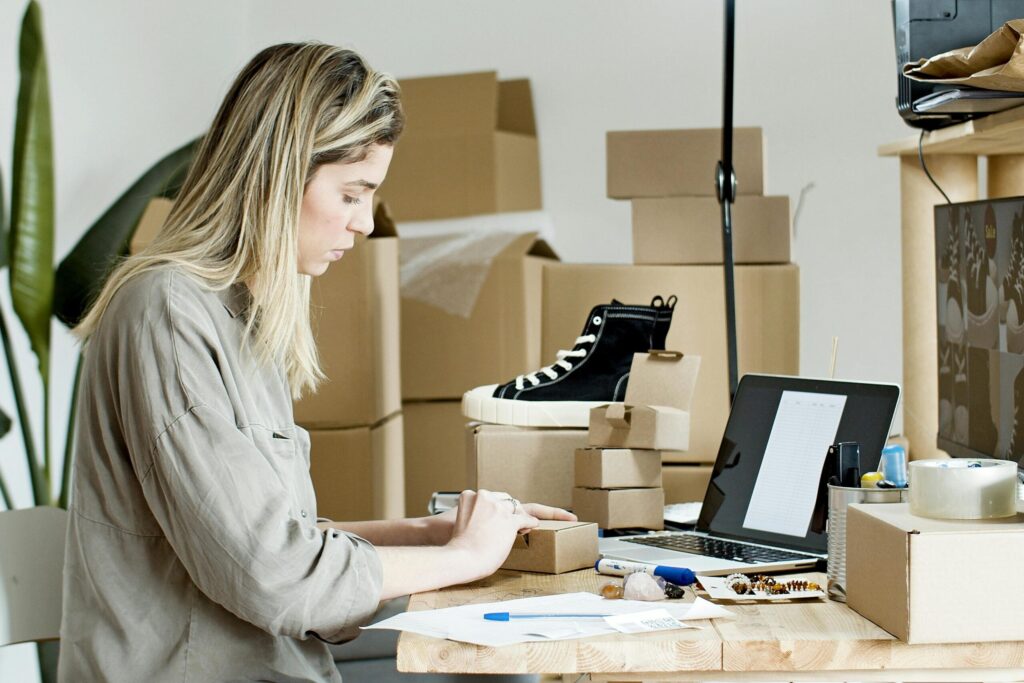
{"x": 757, "y": 511}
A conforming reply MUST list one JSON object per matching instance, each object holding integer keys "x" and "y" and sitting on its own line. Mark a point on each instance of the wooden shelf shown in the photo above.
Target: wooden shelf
{"x": 1000, "y": 133}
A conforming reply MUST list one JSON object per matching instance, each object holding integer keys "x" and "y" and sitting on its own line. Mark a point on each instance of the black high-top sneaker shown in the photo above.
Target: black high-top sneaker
{"x": 594, "y": 372}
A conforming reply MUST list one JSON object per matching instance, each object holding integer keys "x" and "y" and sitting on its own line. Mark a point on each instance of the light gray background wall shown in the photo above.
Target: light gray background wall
{"x": 132, "y": 80}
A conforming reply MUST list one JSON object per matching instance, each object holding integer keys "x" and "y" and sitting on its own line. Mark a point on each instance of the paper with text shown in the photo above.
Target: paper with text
{"x": 787, "y": 483}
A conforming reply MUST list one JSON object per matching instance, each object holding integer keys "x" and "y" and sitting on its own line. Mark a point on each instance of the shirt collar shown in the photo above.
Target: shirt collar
{"x": 235, "y": 298}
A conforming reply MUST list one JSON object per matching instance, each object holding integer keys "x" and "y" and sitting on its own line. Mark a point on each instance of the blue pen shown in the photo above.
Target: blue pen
{"x": 677, "y": 575}
{"x": 506, "y": 616}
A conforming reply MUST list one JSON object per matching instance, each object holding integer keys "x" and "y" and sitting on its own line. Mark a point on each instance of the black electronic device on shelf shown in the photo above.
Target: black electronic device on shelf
{"x": 925, "y": 28}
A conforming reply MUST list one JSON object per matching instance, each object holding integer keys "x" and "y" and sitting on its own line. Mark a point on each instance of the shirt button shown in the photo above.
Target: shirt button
{"x": 302, "y": 512}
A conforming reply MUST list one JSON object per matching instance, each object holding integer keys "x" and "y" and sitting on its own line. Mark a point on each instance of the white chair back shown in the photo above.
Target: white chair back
{"x": 31, "y": 570}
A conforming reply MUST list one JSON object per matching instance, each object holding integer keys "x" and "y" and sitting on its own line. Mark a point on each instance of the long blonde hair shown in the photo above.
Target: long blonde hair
{"x": 293, "y": 108}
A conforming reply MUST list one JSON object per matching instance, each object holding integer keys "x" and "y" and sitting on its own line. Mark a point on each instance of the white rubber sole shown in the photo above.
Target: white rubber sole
{"x": 480, "y": 404}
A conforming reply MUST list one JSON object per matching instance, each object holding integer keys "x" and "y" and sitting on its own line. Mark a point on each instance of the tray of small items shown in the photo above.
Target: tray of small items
{"x": 759, "y": 587}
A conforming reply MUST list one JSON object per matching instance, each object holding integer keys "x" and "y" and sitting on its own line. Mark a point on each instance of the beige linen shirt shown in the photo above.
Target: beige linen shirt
{"x": 193, "y": 552}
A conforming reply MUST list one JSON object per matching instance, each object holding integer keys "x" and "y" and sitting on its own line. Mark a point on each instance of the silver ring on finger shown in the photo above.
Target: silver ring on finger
{"x": 515, "y": 504}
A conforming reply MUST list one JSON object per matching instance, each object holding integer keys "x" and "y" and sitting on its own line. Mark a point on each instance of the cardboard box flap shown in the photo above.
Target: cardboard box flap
{"x": 515, "y": 107}
{"x": 449, "y": 271}
{"x": 662, "y": 378}
{"x": 883, "y": 595}
{"x": 458, "y": 104}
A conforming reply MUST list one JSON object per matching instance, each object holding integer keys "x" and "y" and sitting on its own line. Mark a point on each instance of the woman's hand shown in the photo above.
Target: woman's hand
{"x": 486, "y": 524}
{"x": 441, "y": 526}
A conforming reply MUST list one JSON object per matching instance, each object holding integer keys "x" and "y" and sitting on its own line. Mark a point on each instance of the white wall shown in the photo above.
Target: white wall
{"x": 130, "y": 81}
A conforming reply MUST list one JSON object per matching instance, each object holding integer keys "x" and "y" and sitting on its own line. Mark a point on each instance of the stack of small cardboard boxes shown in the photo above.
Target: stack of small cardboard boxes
{"x": 469, "y": 148}
{"x": 669, "y": 177}
{"x": 619, "y": 475}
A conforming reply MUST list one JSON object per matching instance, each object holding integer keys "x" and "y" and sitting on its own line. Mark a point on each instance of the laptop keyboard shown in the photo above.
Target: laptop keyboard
{"x": 716, "y": 547}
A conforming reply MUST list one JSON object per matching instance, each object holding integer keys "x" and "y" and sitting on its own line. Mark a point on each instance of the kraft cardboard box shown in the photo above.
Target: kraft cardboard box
{"x": 355, "y": 314}
{"x": 767, "y": 319}
{"x": 620, "y": 508}
{"x": 688, "y": 230}
{"x": 655, "y": 414}
{"x": 609, "y": 468}
{"x": 933, "y": 580}
{"x": 672, "y": 163}
{"x": 358, "y": 472}
{"x": 685, "y": 483}
{"x": 469, "y": 147}
{"x": 150, "y": 223}
{"x": 533, "y": 465}
{"x": 445, "y": 355}
{"x": 435, "y": 452}
{"x": 620, "y": 425}
{"x": 555, "y": 547}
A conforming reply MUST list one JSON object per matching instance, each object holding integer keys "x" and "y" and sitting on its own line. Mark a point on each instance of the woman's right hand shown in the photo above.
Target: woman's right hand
{"x": 486, "y": 525}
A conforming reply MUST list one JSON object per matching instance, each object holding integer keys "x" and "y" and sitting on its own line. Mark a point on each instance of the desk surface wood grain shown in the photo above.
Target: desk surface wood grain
{"x": 807, "y": 636}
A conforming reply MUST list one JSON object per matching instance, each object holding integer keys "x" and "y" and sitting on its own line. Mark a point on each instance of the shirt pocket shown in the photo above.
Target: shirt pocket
{"x": 287, "y": 451}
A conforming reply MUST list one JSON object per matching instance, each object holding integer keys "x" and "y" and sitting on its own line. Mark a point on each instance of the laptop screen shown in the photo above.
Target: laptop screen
{"x": 766, "y": 477}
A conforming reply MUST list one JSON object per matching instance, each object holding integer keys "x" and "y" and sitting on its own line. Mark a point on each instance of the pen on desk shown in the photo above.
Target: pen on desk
{"x": 677, "y": 575}
{"x": 506, "y": 616}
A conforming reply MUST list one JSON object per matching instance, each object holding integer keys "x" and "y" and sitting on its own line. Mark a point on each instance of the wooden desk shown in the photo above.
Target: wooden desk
{"x": 809, "y": 641}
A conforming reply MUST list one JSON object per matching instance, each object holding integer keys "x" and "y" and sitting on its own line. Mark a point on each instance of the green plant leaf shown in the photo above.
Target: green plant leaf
{"x": 31, "y": 228}
{"x": 3, "y": 224}
{"x": 82, "y": 273}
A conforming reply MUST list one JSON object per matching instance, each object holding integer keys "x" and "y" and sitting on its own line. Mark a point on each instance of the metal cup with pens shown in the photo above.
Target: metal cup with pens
{"x": 844, "y": 488}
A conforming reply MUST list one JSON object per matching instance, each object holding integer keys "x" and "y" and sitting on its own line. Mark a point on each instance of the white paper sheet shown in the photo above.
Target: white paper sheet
{"x": 787, "y": 483}
{"x": 466, "y": 623}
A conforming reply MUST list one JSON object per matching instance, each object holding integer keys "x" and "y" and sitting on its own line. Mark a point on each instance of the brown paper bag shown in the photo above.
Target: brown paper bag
{"x": 996, "y": 63}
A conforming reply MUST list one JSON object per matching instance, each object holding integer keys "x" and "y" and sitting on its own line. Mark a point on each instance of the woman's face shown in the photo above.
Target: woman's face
{"x": 337, "y": 204}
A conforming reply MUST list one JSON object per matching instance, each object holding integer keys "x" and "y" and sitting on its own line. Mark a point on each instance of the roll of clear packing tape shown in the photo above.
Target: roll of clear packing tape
{"x": 963, "y": 488}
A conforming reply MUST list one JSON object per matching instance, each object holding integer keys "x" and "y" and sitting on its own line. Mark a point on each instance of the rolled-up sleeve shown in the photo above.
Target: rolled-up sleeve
{"x": 221, "y": 506}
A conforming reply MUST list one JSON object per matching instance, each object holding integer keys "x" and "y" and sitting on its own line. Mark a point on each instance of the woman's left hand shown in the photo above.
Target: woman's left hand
{"x": 439, "y": 527}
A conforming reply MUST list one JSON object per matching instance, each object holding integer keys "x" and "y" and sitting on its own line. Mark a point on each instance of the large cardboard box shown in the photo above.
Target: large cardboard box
{"x": 672, "y": 163}
{"x": 685, "y": 483}
{"x": 355, "y": 314}
{"x": 688, "y": 230}
{"x": 610, "y": 468}
{"x": 620, "y": 508}
{"x": 767, "y": 319}
{"x": 445, "y": 355}
{"x": 435, "y": 452}
{"x": 934, "y": 580}
{"x": 358, "y": 472}
{"x": 469, "y": 147}
{"x": 555, "y": 547}
{"x": 533, "y": 465}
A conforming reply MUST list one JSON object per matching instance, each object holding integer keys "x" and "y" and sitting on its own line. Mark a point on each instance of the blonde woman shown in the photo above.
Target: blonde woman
{"x": 194, "y": 552}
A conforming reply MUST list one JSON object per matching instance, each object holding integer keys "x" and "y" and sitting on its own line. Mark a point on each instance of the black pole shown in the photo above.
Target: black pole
{"x": 725, "y": 179}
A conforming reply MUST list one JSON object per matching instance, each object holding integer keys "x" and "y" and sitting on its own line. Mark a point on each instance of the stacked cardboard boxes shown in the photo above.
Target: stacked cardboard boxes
{"x": 668, "y": 176}
{"x": 469, "y": 148}
{"x": 619, "y": 475}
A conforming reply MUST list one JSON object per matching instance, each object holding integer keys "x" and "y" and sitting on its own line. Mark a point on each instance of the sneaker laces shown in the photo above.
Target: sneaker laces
{"x": 549, "y": 371}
